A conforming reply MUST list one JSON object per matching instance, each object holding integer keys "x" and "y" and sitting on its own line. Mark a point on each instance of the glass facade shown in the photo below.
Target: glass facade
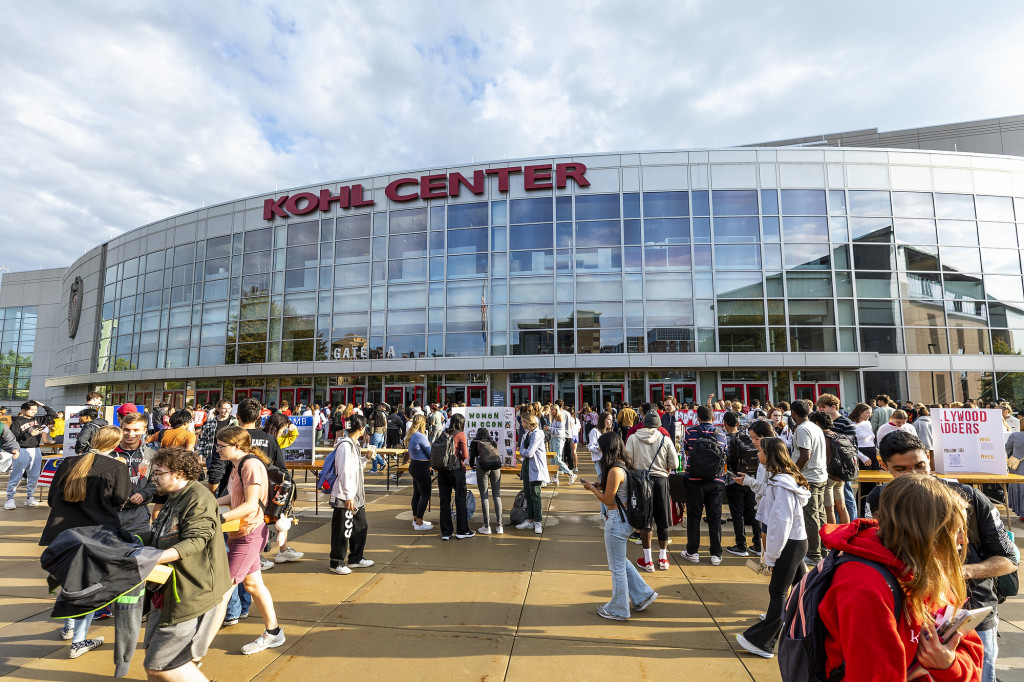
{"x": 17, "y": 343}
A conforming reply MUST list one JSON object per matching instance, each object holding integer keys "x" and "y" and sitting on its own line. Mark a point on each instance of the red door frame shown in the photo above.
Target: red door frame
{"x": 286, "y": 394}
{"x": 512, "y": 392}
{"x": 482, "y": 387}
{"x": 401, "y": 401}
{"x": 744, "y": 393}
{"x": 358, "y": 393}
{"x": 692, "y": 386}
{"x": 660, "y": 388}
{"x": 819, "y": 387}
{"x": 337, "y": 395}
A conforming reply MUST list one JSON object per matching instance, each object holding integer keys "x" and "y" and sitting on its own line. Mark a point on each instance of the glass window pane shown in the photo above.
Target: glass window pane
{"x": 1001, "y": 261}
{"x": 467, "y": 215}
{"x": 926, "y": 341}
{"x": 666, "y": 231}
{"x": 598, "y": 233}
{"x": 407, "y": 245}
{"x": 993, "y": 208}
{"x": 737, "y": 230}
{"x": 599, "y": 260}
{"x": 956, "y": 206}
{"x": 871, "y": 229}
{"x": 532, "y": 316}
{"x": 591, "y": 315}
{"x": 958, "y": 232}
{"x": 873, "y": 257}
{"x": 470, "y": 241}
{"x": 918, "y": 313}
{"x": 876, "y": 285}
{"x": 915, "y": 231}
{"x": 803, "y": 202}
{"x": 770, "y": 226}
{"x": 303, "y": 233}
{"x": 804, "y": 229}
{"x": 533, "y": 236}
{"x": 464, "y": 345}
{"x": 407, "y": 270}
{"x": 666, "y": 204}
{"x": 809, "y": 284}
{"x": 408, "y": 321}
{"x": 807, "y": 256}
{"x": 836, "y": 202}
{"x": 1003, "y": 288}
{"x": 912, "y": 205}
{"x": 669, "y": 313}
{"x": 630, "y": 231}
{"x": 412, "y": 220}
{"x": 677, "y": 285}
{"x": 532, "y": 290}
{"x": 812, "y": 312}
{"x": 738, "y": 257}
{"x": 878, "y": 313}
{"x": 531, "y": 210}
{"x": 597, "y": 206}
{"x": 870, "y": 203}
{"x": 769, "y": 202}
{"x": 539, "y": 261}
{"x": 301, "y": 256}
{"x": 920, "y": 258}
{"x": 739, "y": 285}
{"x": 467, "y": 292}
{"x": 740, "y": 313}
{"x": 354, "y": 226}
{"x": 960, "y": 259}
{"x": 734, "y": 202}
{"x": 255, "y": 240}
{"x": 353, "y": 250}
{"x": 354, "y": 275}
{"x": 742, "y": 340}
{"x": 661, "y": 257}
{"x": 880, "y": 340}
{"x": 467, "y": 266}
{"x": 812, "y": 339}
{"x": 598, "y": 288}
{"x": 1001, "y": 235}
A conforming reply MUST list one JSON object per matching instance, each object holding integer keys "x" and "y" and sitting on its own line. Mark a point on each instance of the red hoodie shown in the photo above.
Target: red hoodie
{"x": 859, "y": 607}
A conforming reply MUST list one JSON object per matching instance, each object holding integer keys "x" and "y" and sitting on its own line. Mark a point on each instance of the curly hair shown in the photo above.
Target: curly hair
{"x": 180, "y": 460}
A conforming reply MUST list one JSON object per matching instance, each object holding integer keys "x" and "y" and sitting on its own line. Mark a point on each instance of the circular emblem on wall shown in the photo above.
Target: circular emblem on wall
{"x": 75, "y": 306}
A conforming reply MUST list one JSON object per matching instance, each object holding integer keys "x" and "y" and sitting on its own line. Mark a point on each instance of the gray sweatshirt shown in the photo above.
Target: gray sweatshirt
{"x": 643, "y": 447}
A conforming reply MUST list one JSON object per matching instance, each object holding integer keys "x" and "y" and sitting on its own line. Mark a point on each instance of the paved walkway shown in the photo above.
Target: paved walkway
{"x": 512, "y": 607}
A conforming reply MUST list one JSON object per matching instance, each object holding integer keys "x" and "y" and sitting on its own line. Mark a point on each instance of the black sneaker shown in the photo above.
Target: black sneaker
{"x": 738, "y": 550}
{"x": 228, "y": 622}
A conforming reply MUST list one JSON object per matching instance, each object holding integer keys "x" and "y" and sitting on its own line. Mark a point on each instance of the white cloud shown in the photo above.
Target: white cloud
{"x": 120, "y": 113}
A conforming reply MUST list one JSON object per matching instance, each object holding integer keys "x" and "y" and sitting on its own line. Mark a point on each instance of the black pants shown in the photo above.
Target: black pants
{"x": 569, "y": 453}
{"x": 742, "y": 508}
{"x": 704, "y": 497}
{"x": 447, "y": 483}
{"x": 662, "y": 507}
{"x": 420, "y": 472}
{"x": 788, "y": 571}
{"x": 348, "y": 534}
{"x": 393, "y": 438}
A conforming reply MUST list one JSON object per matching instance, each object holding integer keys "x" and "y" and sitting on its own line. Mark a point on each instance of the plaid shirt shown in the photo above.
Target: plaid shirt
{"x": 208, "y": 438}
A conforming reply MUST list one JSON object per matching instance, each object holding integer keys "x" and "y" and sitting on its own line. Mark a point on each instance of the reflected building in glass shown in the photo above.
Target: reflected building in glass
{"x": 760, "y": 272}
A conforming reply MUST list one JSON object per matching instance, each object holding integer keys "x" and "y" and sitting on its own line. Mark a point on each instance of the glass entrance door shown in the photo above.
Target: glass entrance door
{"x": 521, "y": 394}
{"x": 286, "y": 394}
{"x": 598, "y": 394}
{"x": 243, "y": 393}
{"x": 657, "y": 393}
{"x": 394, "y": 395}
{"x": 337, "y": 396}
{"x": 745, "y": 392}
{"x": 477, "y": 396}
{"x": 812, "y": 390}
{"x": 211, "y": 397}
{"x": 685, "y": 393}
{"x": 175, "y": 399}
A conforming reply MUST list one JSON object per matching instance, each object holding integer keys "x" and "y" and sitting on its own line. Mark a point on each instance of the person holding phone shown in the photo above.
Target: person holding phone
{"x": 628, "y": 588}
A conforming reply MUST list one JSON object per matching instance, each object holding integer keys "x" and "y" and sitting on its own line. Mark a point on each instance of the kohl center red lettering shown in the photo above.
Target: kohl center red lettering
{"x": 430, "y": 186}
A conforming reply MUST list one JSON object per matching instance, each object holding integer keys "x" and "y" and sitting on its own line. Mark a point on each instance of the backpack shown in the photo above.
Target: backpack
{"x": 281, "y": 490}
{"x": 638, "y": 511}
{"x": 487, "y": 455}
{"x": 743, "y": 455}
{"x": 328, "y": 473}
{"x": 802, "y": 646}
{"x": 842, "y": 458}
{"x": 518, "y": 512}
{"x": 442, "y": 453}
{"x": 707, "y": 457}
{"x": 759, "y": 413}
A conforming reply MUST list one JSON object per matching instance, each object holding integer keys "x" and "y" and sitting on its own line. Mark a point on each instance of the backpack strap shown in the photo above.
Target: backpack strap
{"x": 263, "y": 507}
{"x": 657, "y": 454}
{"x": 887, "y": 574}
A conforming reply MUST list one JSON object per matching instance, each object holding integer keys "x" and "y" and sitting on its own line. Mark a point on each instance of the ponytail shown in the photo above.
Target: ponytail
{"x": 74, "y": 484}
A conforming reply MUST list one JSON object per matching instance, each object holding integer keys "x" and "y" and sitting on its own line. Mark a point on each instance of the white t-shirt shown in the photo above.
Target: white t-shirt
{"x": 810, "y": 437}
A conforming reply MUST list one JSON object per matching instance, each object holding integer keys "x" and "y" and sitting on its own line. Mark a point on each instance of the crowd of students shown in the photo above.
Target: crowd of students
{"x": 768, "y": 463}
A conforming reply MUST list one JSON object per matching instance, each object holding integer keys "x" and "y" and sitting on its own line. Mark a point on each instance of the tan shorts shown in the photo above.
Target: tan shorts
{"x": 834, "y": 490}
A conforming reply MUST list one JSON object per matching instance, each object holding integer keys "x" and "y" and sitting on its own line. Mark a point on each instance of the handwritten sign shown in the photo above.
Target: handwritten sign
{"x": 969, "y": 441}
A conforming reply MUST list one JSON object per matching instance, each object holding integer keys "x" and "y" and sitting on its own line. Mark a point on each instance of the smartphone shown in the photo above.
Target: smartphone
{"x": 583, "y": 481}
{"x": 964, "y": 621}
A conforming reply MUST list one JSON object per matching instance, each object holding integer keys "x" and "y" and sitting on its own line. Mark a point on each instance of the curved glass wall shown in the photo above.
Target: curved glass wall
{"x": 761, "y": 269}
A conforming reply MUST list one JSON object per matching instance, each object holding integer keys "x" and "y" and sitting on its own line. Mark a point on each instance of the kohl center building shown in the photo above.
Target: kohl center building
{"x": 853, "y": 264}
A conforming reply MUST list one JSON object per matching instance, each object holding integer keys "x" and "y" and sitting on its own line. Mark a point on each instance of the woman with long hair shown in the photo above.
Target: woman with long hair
{"x": 605, "y": 423}
{"x": 866, "y": 446}
{"x": 920, "y": 536}
{"x": 785, "y": 542}
{"x": 776, "y": 417}
{"x": 533, "y": 453}
{"x": 453, "y": 481}
{"x": 487, "y": 478}
{"x": 419, "y": 468}
{"x": 628, "y": 588}
{"x": 280, "y": 427}
{"x": 758, "y": 430}
{"x": 87, "y": 490}
{"x": 248, "y": 493}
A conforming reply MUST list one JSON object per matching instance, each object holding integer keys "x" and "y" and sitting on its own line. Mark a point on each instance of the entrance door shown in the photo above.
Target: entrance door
{"x": 207, "y": 398}
{"x": 144, "y": 398}
{"x": 450, "y": 393}
{"x": 685, "y": 393}
{"x": 243, "y": 393}
{"x": 175, "y": 399}
{"x": 337, "y": 396}
{"x": 758, "y": 392}
{"x": 745, "y": 392}
{"x": 477, "y": 396}
{"x": 395, "y": 395}
{"x": 358, "y": 394}
{"x": 830, "y": 388}
{"x": 286, "y": 394}
{"x": 521, "y": 394}
{"x": 598, "y": 394}
{"x": 733, "y": 392}
{"x": 805, "y": 391}
{"x": 657, "y": 393}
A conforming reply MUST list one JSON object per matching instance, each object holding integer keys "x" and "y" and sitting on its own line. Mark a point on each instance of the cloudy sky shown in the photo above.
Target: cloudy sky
{"x": 116, "y": 113}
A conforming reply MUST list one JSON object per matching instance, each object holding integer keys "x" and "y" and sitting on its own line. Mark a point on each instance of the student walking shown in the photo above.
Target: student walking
{"x": 534, "y": 472}
{"x": 628, "y": 588}
{"x": 247, "y": 495}
{"x": 348, "y": 498}
{"x": 781, "y": 510}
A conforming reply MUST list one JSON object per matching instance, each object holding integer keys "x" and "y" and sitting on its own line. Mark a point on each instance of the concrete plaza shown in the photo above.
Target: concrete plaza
{"x": 510, "y": 607}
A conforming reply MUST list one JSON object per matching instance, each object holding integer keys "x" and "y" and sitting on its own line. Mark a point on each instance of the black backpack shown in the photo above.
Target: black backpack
{"x": 638, "y": 511}
{"x": 281, "y": 490}
{"x": 802, "y": 655}
{"x": 442, "y": 453}
{"x": 743, "y": 455}
{"x": 518, "y": 512}
{"x": 707, "y": 457}
{"x": 842, "y": 458}
{"x": 487, "y": 455}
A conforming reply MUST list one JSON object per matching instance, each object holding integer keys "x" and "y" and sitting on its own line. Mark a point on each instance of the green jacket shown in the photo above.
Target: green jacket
{"x": 879, "y": 416}
{"x": 190, "y": 523}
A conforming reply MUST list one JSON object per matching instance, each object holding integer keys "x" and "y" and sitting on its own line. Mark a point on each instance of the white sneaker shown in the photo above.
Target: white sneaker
{"x": 499, "y": 531}
{"x": 288, "y": 554}
{"x": 537, "y": 528}
{"x": 522, "y": 526}
{"x": 692, "y": 558}
{"x": 264, "y": 641}
{"x": 9, "y": 504}
{"x": 79, "y": 648}
{"x": 484, "y": 530}
{"x": 365, "y": 563}
{"x": 422, "y": 526}
{"x": 266, "y": 564}
{"x": 716, "y": 560}
{"x": 572, "y": 478}
{"x": 341, "y": 570}
{"x": 33, "y": 502}
{"x": 757, "y": 651}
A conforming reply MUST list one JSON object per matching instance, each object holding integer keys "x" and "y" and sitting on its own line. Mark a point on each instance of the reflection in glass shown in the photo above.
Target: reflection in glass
{"x": 738, "y": 257}
{"x": 531, "y": 210}
{"x": 471, "y": 241}
{"x": 600, "y": 233}
{"x": 994, "y": 208}
{"x": 665, "y": 204}
{"x": 467, "y": 215}
{"x": 803, "y": 202}
{"x": 737, "y": 230}
{"x": 960, "y": 259}
{"x": 869, "y": 203}
{"x": 873, "y": 257}
{"x": 740, "y": 313}
{"x": 734, "y": 202}
{"x": 353, "y": 226}
{"x": 804, "y": 229}
{"x": 806, "y": 256}
{"x": 742, "y": 340}
{"x": 915, "y": 231}
{"x": 955, "y": 206}
{"x": 812, "y": 339}
{"x": 808, "y": 285}
{"x": 597, "y": 206}
{"x": 667, "y": 231}
{"x": 1001, "y": 261}
{"x": 739, "y": 285}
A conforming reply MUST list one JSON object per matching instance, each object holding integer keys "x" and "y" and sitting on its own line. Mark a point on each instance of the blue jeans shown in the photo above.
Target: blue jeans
{"x": 627, "y": 585}
{"x": 239, "y": 603}
{"x": 30, "y": 460}
{"x": 558, "y": 446}
{"x": 851, "y": 500}
{"x": 990, "y": 641}
{"x": 377, "y": 441}
{"x": 80, "y": 627}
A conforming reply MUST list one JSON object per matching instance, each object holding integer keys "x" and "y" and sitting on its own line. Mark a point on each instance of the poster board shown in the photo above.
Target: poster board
{"x": 72, "y": 427}
{"x": 969, "y": 441}
{"x": 302, "y": 450}
{"x": 500, "y": 422}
